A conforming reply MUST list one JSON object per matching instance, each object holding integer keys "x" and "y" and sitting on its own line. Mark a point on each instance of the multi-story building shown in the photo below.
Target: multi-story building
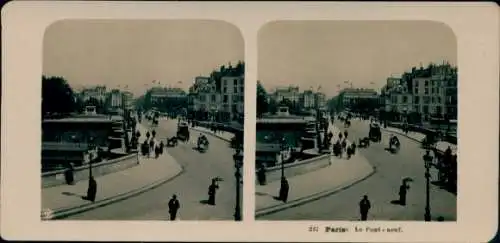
{"x": 308, "y": 100}
{"x": 128, "y": 99}
{"x": 219, "y": 97}
{"x": 290, "y": 93}
{"x": 430, "y": 92}
{"x": 97, "y": 92}
{"x": 396, "y": 96}
{"x": 353, "y": 97}
{"x": 115, "y": 99}
{"x": 232, "y": 94}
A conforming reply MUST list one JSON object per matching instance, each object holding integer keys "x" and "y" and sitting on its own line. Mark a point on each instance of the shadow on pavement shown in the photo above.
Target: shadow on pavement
{"x": 396, "y": 202}
{"x": 74, "y": 194}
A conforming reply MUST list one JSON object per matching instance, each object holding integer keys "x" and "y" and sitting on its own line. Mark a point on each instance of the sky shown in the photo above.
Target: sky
{"x": 133, "y": 53}
{"x": 324, "y": 54}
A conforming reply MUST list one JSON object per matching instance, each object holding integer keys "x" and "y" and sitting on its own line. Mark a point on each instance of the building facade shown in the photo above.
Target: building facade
{"x": 221, "y": 103}
{"x": 357, "y": 99}
{"x": 97, "y": 92}
{"x": 115, "y": 99}
{"x": 128, "y": 100}
{"x": 424, "y": 93}
{"x": 290, "y": 93}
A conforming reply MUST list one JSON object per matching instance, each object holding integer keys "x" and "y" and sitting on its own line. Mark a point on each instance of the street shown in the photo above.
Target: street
{"x": 381, "y": 188}
{"x": 191, "y": 187}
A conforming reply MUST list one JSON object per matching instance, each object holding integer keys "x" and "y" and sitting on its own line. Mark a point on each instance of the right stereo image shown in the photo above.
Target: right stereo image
{"x": 356, "y": 120}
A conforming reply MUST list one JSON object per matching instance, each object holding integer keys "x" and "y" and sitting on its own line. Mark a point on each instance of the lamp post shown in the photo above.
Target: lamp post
{"x": 91, "y": 147}
{"x": 238, "y": 162}
{"x": 428, "y": 162}
{"x": 282, "y": 148}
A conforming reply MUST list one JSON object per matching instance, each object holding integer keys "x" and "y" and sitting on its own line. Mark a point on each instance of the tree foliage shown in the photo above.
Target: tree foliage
{"x": 57, "y": 96}
{"x": 262, "y": 104}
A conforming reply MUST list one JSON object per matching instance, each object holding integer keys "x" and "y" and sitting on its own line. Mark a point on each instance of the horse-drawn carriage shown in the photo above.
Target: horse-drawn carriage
{"x": 394, "y": 144}
{"x": 183, "y": 131}
{"x": 375, "y": 134}
{"x": 202, "y": 144}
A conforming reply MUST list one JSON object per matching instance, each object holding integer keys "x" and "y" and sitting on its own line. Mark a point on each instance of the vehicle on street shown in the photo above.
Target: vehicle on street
{"x": 375, "y": 134}
{"x": 183, "y": 131}
{"x": 202, "y": 144}
{"x": 394, "y": 144}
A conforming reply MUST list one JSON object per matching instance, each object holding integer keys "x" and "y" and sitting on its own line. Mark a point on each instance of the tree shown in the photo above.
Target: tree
{"x": 262, "y": 105}
{"x": 57, "y": 96}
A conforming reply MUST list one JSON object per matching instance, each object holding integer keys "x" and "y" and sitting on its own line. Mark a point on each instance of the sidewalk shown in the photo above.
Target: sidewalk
{"x": 65, "y": 200}
{"x": 418, "y": 137}
{"x": 226, "y": 136}
{"x": 313, "y": 185}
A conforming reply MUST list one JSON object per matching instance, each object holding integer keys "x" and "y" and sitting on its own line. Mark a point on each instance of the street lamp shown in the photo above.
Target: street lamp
{"x": 91, "y": 148}
{"x": 428, "y": 162}
{"x": 238, "y": 162}
{"x": 282, "y": 149}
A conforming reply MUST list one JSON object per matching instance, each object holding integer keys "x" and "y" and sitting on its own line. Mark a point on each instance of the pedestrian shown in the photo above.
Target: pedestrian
{"x": 364, "y": 207}
{"x": 162, "y": 145}
{"x": 345, "y": 134}
{"x": 69, "y": 174}
{"x": 173, "y": 207}
{"x": 261, "y": 174}
{"x": 151, "y": 145}
{"x": 212, "y": 189}
{"x": 284, "y": 189}
{"x": 403, "y": 189}
{"x": 92, "y": 189}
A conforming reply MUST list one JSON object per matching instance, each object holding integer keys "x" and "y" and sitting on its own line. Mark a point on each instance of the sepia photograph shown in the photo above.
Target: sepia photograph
{"x": 356, "y": 120}
{"x": 142, "y": 120}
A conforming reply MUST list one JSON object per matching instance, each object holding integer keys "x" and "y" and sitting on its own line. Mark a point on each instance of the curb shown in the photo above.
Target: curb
{"x": 402, "y": 134}
{"x": 120, "y": 197}
{"x": 211, "y": 134}
{"x": 312, "y": 197}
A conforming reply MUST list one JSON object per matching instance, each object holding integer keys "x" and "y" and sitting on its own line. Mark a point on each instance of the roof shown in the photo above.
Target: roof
{"x": 263, "y": 147}
{"x": 89, "y": 119}
{"x": 77, "y": 147}
{"x": 282, "y": 120}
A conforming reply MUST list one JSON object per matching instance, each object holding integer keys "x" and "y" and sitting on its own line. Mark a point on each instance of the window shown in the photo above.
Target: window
{"x": 433, "y": 90}
{"x": 235, "y": 89}
{"x": 426, "y": 90}
{"x": 213, "y": 98}
{"x": 426, "y": 109}
{"x": 405, "y": 99}
{"x": 439, "y": 99}
{"x": 426, "y": 99}
{"x": 426, "y": 82}
{"x": 417, "y": 99}
{"x": 438, "y": 110}
{"x": 416, "y": 108}
{"x": 235, "y": 82}
{"x": 416, "y": 90}
{"x": 225, "y": 82}
{"x": 242, "y": 89}
{"x": 224, "y": 90}
{"x": 432, "y": 99}
{"x": 433, "y": 82}
{"x": 225, "y": 98}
